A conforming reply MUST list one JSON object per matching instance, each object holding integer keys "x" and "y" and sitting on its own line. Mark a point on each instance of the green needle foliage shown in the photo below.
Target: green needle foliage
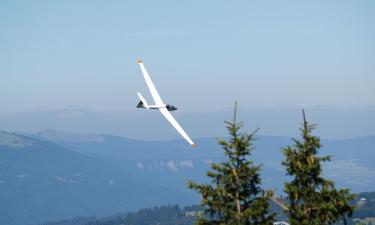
{"x": 313, "y": 200}
{"x": 234, "y": 195}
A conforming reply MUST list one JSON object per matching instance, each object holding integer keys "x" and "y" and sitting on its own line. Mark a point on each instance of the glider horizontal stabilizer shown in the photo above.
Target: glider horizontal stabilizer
{"x": 143, "y": 100}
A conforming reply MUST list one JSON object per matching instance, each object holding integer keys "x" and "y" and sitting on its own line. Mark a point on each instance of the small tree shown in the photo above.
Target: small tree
{"x": 313, "y": 200}
{"x": 234, "y": 195}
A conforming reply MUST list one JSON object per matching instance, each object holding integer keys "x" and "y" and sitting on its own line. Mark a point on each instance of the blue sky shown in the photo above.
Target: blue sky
{"x": 202, "y": 55}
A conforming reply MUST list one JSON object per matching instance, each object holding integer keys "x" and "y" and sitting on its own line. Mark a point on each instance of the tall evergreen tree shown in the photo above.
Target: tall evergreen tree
{"x": 312, "y": 200}
{"x": 234, "y": 195}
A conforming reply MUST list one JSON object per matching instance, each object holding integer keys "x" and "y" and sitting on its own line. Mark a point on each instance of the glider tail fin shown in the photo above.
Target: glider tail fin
{"x": 142, "y": 103}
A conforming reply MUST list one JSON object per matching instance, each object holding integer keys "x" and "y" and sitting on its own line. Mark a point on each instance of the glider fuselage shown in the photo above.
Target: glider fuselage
{"x": 168, "y": 107}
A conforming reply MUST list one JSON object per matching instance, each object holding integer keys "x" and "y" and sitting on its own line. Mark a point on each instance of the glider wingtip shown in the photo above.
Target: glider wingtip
{"x": 139, "y": 61}
{"x": 194, "y": 145}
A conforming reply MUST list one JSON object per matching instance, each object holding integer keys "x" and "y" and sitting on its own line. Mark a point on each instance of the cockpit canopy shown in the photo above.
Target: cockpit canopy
{"x": 171, "y": 108}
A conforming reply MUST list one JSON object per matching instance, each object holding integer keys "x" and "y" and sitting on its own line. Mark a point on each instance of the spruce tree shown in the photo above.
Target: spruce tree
{"x": 312, "y": 200}
{"x": 234, "y": 195}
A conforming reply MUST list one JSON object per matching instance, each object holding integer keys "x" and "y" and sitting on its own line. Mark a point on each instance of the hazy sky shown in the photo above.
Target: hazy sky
{"x": 202, "y": 55}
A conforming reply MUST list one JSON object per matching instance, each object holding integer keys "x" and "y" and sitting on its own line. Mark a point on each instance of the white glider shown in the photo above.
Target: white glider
{"x": 159, "y": 104}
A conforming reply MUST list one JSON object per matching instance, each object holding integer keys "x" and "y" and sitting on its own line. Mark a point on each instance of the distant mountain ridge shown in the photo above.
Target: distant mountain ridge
{"x": 13, "y": 140}
{"x": 61, "y": 137}
{"x": 352, "y": 164}
{"x": 334, "y": 122}
{"x": 42, "y": 181}
{"x": 52, "y": 175}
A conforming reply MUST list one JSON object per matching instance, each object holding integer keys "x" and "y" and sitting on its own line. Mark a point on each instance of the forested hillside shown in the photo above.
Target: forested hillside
{"x": 366, "y": 204}
{"x": 164, "y": 215}
{"x": 174, "y": 215}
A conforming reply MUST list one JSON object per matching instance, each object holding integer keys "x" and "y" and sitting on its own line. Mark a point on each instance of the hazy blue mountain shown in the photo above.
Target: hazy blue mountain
{"x": 53, "y": 175}
{"x": 42, "y": 181}
{"x": 171, "y": 163}
{"x": 334, "y": 122}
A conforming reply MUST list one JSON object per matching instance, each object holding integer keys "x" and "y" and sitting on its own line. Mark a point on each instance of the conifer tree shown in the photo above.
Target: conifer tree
{"x": 312, "y": 200}
{"x": 234, "y": 195}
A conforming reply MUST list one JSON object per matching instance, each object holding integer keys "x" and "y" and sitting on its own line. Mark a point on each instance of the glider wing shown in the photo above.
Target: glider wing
{"x": 177, "y": 126}
{"x": 150, "y": 85}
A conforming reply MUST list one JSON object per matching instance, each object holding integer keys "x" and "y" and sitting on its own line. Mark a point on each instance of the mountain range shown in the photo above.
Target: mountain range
{"x": 334, "y": 122}
{"x": 51, "y": 175}
{"x": 42, "y": 181}
{"x": 352, "y": 164}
